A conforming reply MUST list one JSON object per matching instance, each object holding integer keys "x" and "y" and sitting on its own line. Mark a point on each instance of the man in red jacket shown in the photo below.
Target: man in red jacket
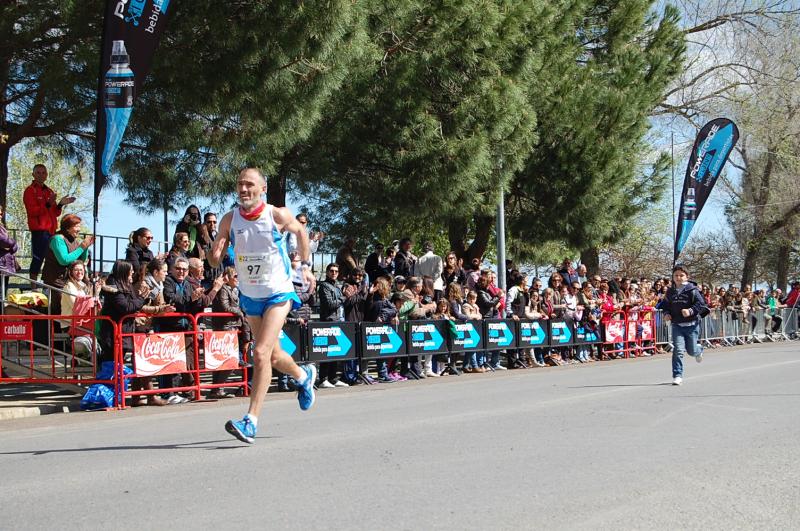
{"x": 43, "y": 211}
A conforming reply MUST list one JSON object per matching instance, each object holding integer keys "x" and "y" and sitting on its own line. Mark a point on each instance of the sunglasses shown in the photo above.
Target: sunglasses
{"x": 181, "y": 269}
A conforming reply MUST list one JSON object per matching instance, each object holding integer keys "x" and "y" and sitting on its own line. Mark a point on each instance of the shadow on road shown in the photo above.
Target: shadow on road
{"x": 619, "y": 385}
{"x": 205, "y": 445}
{"x": 764, "y": 395}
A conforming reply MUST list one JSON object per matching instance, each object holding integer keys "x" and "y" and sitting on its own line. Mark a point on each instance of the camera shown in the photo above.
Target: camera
{"x": 194, "y": 217}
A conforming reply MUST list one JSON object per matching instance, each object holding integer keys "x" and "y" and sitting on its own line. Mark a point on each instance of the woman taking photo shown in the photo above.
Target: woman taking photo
{"x": 195, "y": 232}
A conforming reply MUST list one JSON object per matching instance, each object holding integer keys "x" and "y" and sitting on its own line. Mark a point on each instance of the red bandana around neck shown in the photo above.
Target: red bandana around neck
{"x": 253, "y": 214}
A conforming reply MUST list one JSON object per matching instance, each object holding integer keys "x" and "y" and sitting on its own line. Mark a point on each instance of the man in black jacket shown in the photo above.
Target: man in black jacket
{"x": 684, "y": 305}
{"x": 179, "y": 293}
{"x": 404, "y": 260}
{"x": 331, "y": 308}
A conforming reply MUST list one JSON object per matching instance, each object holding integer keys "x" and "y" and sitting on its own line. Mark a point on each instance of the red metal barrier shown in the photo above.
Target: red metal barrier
{"x": 221, "y": 351}
{"x": 615, "y": 327}
{"x": 77, "y": 347}
{"x": 160, "y": 354}
{"x": 641, "y": 329}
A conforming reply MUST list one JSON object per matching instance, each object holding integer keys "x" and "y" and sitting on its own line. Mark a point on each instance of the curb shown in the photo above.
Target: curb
{"x": 20, "y": 412}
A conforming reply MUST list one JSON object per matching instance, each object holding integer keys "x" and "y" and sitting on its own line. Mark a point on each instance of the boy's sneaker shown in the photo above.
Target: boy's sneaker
{"x": 305, "y": 392}
{"x": 244, "y": 430}
{"x": 677, "y": 380}
{"x": 699, "y": 358}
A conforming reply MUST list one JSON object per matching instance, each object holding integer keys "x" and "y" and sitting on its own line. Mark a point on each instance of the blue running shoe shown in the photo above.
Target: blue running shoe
{"x": 305, "y": 392}
{"x": 244, "y": 430}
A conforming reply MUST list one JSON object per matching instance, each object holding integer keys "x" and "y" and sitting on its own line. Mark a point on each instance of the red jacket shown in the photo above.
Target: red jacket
{"x": 42, "y": 207}
{"x": 791, "y": 298}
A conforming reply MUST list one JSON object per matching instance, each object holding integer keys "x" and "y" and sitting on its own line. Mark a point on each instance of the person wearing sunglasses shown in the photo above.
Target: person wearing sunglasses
{"x": 138, "y": 252}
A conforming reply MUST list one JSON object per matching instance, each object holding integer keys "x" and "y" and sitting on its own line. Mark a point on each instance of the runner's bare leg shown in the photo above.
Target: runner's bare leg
{"x": 267, "y": 353}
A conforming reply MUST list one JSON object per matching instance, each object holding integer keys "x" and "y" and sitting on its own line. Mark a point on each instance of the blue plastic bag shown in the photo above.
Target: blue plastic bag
{"x": 101, "y": 396}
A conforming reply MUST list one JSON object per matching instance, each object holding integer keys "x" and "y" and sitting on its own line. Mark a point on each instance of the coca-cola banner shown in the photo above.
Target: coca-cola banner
{"x": 710, "y": 152}
{"x": 159, "y": 354}
{"x": 221, "y": 350}
{"x": 615, "y": 331}
{"x": 131, "y": 31}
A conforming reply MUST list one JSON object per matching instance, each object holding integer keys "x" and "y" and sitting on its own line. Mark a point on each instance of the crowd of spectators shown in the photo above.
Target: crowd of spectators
{"x": 391, "y": 285}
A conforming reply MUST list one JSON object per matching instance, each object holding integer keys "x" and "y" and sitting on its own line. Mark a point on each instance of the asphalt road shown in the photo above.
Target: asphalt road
{"x": 603, "y": 446}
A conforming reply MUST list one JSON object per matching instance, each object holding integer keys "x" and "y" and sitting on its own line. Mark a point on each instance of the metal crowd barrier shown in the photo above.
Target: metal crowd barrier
{"x": 71, "y": 357}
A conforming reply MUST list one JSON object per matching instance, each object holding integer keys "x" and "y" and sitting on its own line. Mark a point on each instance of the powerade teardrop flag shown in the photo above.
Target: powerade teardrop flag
{"x": 131, "y": 31}
{"x": 714, "y": 143}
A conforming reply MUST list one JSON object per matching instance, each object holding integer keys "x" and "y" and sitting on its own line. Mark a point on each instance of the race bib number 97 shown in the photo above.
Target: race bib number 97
{"x": 253, "y": 267}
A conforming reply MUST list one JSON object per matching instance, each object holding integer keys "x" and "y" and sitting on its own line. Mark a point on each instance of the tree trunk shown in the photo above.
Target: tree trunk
{"x": 591, "y": 259}
{"x": 782, "y": 272}
{"x": 750, "y": 258}
{"x": 276, "y": 190}
{"x": 458, "y": 230}
{"x": 483, "y": 231}
{"x": 457, "y": 234}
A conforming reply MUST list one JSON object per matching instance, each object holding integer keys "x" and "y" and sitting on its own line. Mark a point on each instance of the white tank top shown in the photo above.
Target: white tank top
{"x": 262, "y": 261}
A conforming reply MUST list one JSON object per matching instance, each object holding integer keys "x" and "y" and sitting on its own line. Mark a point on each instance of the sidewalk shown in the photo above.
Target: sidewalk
{"x": 31, "y": 400}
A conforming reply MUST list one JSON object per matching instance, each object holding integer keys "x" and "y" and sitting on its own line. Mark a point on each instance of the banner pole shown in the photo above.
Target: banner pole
{"x": 672, "y": 150}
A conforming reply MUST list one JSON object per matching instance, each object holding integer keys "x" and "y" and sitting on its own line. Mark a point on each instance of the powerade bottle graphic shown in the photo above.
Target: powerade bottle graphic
{"x": 118, "y": 98}
{"x": 690, "y": 205}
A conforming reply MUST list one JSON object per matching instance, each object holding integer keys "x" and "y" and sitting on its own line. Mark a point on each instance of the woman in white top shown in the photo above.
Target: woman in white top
{"x": 75, "y": 287}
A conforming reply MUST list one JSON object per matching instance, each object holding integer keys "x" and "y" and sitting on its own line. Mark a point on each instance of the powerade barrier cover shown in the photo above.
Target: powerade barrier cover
{"x": 533, "y": 333}
{"x": 379, "y": 340}
{"x": 333, "y": 341}
{"x": 468, "y": 337}
{"x": 426, "y": 337}
{"x": 131, "y": 32}
{"x": 562, "y": 333}
{"x": 714, "y": 143}
{"x": 290, "y": 340}
{"x": 500, "y": 334}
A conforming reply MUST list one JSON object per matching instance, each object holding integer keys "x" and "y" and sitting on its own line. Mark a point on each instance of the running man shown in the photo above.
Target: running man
{"x": 684, "y": 305}
{"x": 258, "y": 231}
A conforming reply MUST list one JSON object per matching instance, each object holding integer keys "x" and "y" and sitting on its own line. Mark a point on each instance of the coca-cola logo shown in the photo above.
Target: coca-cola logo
{"x": 221, "y": 350}
{"x": 162, "y": 349}
{"x": 159, "y": 354}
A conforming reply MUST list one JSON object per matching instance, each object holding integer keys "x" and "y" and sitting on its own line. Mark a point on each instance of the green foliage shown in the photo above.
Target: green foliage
{"x": 547, "y": 100}
{"x": 392, "y": 118}
{"x": 64, "y": 177}
{"x": 588, "y": 173}
{"x": 235, "y": 84}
